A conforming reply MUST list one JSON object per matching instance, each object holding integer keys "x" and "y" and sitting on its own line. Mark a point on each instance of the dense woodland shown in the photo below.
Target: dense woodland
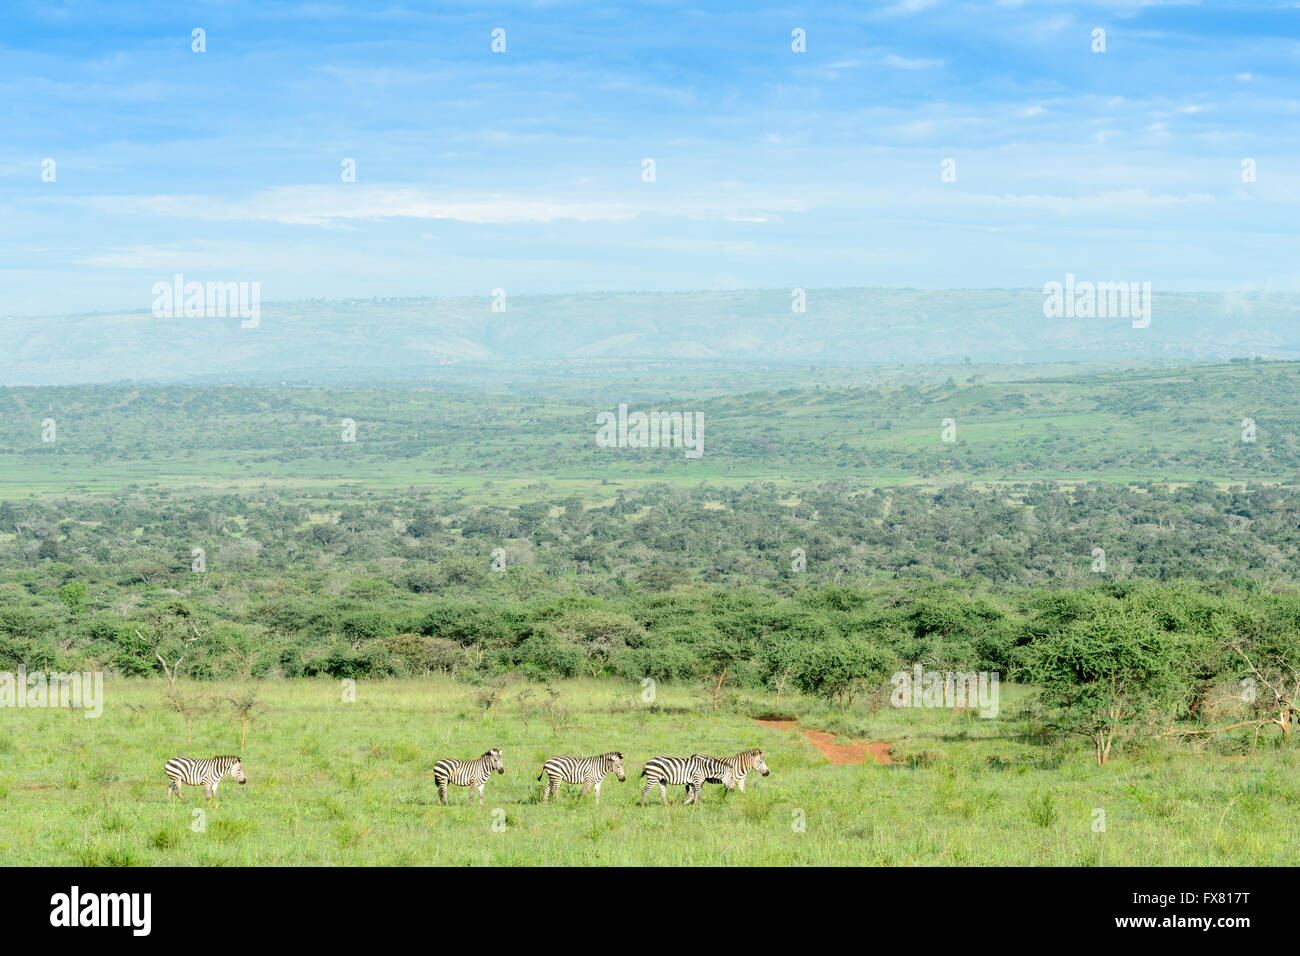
{"x": 1120, "y": 601}
{"x": 1158, "y": 425}
{"x": 679, "y": 585}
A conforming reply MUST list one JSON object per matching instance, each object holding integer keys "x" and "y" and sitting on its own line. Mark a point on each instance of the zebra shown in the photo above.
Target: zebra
{"x": 467, "y": 773}
{"x": 741, "y": 764}
{"x": 691, "y": 771}
{"x": 588, "y": 771}
{"x": 202, "y": 773}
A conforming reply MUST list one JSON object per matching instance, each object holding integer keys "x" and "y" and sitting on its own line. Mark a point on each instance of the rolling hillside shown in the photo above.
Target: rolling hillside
{"x": 1164, "y": 425}
{"x": 373, "y": 341}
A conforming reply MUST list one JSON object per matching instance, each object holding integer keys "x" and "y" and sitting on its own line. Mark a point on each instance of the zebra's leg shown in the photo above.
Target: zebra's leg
{"x": 207, "y": 790}
{"x": 480, "y": 793}
{"x": 586, "y": 788}
{"x": 442, "y": 792}
{"x": 597, "y": 793}
{"x": 546, "y": 791}
{"x": 649, "y": 785}
{"x": 741, "y": 784}
{"x": 663, "y": 791}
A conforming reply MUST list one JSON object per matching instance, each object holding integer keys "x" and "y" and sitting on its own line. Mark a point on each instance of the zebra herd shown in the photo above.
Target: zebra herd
{"x": 691, "y": 772}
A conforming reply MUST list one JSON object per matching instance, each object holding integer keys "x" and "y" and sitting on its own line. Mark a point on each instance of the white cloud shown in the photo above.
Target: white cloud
{"x": 903, "y": 63}
{"x": 338, "y": 205}
{"x": 908, "y": 7}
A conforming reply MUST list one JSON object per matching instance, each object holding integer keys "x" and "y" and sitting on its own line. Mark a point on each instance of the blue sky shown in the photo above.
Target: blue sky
{"x": 522, "y": 170}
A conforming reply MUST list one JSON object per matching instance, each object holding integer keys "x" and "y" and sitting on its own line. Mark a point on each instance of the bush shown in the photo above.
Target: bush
{"x": 421, "y": 654}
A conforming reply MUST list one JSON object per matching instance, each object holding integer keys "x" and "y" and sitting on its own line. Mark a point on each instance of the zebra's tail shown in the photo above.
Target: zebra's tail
{"x": 642, "y": 773}
{"x": 542, "y": 774}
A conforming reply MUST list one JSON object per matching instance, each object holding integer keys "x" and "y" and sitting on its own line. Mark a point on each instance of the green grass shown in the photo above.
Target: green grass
{"x": 1127, "y": 425}
{"x": 333, "y": 783}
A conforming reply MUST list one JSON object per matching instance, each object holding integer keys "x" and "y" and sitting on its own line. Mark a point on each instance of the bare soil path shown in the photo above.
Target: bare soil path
{"x": 855, "y": 752}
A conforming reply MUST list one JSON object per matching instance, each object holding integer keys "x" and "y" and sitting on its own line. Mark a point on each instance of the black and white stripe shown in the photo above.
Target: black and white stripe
{"x": 467, "y": 773}
{"x": 588, "y": 771}
{"x": 201, "y": 773}
{"x": 689, "y": 771}
{"x": 741, "y": 764}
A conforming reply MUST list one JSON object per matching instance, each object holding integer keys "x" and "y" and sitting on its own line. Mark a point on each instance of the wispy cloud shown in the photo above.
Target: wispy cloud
{"x": 327, "y": 205}
{"x": 904, "y": 63}
{"x": 524, "y": 168}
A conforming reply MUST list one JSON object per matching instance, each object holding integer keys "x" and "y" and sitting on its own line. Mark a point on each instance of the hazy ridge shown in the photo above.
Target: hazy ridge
{"x": 379, "y": 340}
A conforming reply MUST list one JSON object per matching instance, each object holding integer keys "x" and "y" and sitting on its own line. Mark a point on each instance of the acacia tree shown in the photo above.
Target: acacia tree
{"x": 189, "y": 709}
{"x": 166, "y": 639}
{"x": 841, "y": 668}
{"x": 781, "y": 659}
{"x": 720, "y": 654}
{"x": 245, "y": 708}
{"x": 1266, "y": 672}
{"x": 1107, "y": 675}
{"x": 1271, "y": 665}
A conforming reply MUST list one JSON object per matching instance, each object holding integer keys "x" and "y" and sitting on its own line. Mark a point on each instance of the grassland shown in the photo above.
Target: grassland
{"x": 334, "y": 783}
{"x": 355, "y": 558}
{"x": 1171, "y": 425}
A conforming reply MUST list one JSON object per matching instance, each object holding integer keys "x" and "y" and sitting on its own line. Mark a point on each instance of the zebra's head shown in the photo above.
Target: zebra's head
{"x": 237, "y": 770}
{"x": 494, "y": 756}
{"x": 759, "y": 763}
{"x": 615, "y": 762}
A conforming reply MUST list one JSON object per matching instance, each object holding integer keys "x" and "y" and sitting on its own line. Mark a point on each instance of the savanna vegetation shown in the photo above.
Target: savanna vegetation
{"x": 339, "y": 783}
{"x": 489, "y": 578}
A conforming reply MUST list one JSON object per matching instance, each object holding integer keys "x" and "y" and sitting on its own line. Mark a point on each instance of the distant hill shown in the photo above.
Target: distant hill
{"x": 1236, "y": 422}
{"x": 369, "y": 341}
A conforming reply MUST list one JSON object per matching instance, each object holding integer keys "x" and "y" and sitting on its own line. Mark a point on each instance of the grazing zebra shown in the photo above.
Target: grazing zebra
{"x": 690, "y": 771}
{"x": 467, "y": 773}
{"x": 202, "y": 773}
{"x": 588, "y": 771}
{"x": 741, "y": 764}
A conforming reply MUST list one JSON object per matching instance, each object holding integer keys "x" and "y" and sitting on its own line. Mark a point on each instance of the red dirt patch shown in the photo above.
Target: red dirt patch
{"x": 881, "y": 751}
{"x": 855, "y": 752}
